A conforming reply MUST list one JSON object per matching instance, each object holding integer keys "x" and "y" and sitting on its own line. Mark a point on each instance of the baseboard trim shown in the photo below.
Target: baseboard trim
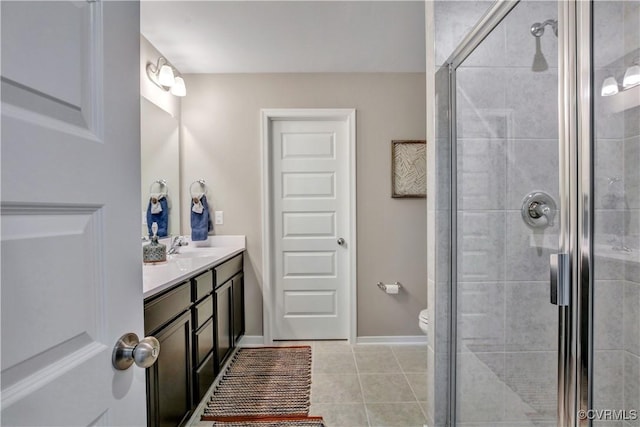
{"x": 251, "y": 341}
{"x": 258, "y": 340}
{"x": 398, "y": 340}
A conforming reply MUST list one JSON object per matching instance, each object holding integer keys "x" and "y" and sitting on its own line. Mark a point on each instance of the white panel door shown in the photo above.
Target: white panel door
{"x": 71, "y": 259}
{"x": 311, "y": 202}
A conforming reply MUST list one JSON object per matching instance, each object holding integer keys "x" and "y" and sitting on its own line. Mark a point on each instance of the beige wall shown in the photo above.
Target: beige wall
{"x": 221, "y": 143}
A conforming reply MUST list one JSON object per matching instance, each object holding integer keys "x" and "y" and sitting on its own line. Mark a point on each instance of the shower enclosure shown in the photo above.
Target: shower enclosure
{"x": 544, "y": 116}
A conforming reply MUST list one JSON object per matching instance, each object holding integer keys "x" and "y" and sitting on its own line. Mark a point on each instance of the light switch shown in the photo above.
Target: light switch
{"x": 219, "y": 217}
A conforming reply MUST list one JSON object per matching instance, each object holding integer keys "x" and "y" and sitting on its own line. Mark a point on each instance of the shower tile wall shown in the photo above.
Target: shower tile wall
{"x": 507, "y": 148}
{"x": 617, "y": 216}
{"x": 631, "y": 308}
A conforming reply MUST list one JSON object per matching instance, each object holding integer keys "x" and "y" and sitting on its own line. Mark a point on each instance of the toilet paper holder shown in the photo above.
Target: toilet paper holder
{"x": 383, "y": 286}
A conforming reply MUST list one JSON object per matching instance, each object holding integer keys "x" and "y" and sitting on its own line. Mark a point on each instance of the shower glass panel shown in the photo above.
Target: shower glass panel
{"x": 507, "y": 150}
{"x": 616, "y": 311}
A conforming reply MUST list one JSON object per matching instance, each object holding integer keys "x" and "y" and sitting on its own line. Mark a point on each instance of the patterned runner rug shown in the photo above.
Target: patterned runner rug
{"x": 292, "y": 422}
{"x": 266, "y": 385}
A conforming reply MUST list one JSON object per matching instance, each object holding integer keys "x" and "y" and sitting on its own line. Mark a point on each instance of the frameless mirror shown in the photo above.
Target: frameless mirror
{"x": 159, "y": 149}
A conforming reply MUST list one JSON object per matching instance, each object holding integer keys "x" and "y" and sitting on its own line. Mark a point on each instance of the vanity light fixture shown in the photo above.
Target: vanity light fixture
{"x": 163, "y": 75}
{"x": 179, "y": 89}
{"x": 631, "y": 76}
{"x": 609, "y": 86}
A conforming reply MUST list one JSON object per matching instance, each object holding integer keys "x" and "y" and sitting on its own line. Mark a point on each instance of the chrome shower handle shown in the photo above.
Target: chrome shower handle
{"x": 538, "y": 209}
{"x": 541, "y": 210}
{"x": 560, "y": 273}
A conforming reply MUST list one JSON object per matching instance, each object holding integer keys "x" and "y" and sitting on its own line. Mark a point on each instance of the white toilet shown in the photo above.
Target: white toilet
{"x": 423, "y": 320}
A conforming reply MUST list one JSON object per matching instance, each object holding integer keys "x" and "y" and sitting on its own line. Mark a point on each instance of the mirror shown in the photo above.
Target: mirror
{"x": 160, "y": 156}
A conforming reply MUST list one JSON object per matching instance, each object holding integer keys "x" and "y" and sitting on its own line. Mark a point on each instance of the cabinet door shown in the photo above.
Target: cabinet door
{"x": 224, "y": 332}
{"x": 169, "y": 380}
{"x": 204, "y": 377}
{"x": 238, "y": 308}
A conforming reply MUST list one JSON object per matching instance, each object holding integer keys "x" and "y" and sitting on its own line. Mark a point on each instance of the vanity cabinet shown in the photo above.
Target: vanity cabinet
{"x": 237, "y": 293}
{"x": 169, "y": 380}
{"x": 224, "y": 344}
{"x": 198, "y": 323}
{"x": 204, "y": 337}
{"x": 229, "y": 313}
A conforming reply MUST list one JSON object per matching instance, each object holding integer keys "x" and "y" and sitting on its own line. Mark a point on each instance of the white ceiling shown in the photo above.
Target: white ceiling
{"x": 287, "y": 36}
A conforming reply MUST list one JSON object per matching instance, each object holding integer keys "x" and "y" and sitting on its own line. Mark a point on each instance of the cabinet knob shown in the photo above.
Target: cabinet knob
{"x": 129, "y": 350}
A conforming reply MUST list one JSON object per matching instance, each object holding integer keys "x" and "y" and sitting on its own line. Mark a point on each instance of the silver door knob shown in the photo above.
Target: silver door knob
{"x": 129, "y": 350}
{"x": 341, "y": 241}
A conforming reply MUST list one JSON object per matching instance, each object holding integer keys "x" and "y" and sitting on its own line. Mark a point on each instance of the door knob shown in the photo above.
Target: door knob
{"x": 341, "y": 241}
{"x": 129, "y": 350}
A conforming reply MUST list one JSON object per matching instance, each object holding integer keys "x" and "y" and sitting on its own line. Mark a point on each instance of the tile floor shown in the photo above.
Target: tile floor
{"x": 365, "y": 385}
{"x": 369, "y": 385}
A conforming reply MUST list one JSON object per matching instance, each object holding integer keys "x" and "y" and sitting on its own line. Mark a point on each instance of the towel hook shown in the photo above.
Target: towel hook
{"x": 162, "y": 183}
{"x": 202, "y": 183}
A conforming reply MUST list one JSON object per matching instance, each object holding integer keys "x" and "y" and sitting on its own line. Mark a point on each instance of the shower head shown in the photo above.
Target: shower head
{"x": 537, "y": 29}
{"x": 539, "y": 61}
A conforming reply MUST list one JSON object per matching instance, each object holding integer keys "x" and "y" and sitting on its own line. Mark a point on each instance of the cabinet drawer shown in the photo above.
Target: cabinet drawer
{"x": 160, "y": 310}
{"x": 203, "y": 312}
{"x": 202, "y": 285}
{"x": 203, "y": 341}
{"x": 229, "y": 269}
{"x": 204, "y": 377}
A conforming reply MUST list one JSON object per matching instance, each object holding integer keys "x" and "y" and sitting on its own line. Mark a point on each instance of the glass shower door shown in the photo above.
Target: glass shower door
{"x": 530, "y": 181}
{"x": 506, "y": 169}
{"x": 616, "y": 200}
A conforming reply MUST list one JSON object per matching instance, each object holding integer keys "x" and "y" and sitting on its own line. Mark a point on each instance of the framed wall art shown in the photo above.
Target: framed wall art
{"x": 409, "y": 169}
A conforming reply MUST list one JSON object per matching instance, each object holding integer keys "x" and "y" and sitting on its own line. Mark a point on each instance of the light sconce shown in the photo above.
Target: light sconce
{"x": 609, "y": 86}
{"x": 163, "y": 75}
{"x": 631, "y": 77}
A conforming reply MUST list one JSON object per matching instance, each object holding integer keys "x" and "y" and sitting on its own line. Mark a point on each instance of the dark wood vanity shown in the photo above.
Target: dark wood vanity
{"x": 198, "y": 323}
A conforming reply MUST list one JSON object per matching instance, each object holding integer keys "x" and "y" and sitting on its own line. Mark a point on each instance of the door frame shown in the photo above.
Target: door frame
{"x": 267, "y": 116}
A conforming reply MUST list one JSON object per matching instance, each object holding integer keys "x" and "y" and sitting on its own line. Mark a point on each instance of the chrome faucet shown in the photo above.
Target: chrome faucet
{"x": 176, "y": 242}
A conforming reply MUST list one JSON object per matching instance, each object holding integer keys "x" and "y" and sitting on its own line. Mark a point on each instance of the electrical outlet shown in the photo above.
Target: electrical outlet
{"x": 219, "y": 217}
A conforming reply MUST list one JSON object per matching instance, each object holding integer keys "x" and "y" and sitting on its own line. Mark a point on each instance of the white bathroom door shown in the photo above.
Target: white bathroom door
{"x": 71, "y": 259}
{"x": 311, "y": 228}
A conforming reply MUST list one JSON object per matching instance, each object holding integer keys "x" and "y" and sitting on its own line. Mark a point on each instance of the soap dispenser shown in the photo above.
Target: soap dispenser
{"x": 154, "y": 252}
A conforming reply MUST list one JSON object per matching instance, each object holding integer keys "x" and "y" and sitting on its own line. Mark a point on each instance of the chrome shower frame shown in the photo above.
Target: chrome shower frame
{"x": 575, "y": 328}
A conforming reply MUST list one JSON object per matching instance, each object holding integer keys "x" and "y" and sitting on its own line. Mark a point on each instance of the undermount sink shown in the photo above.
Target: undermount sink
{"x": 195, "y": 252}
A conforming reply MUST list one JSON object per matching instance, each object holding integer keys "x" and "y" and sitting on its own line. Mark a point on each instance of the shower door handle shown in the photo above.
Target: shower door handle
{"x": 560, "y": 272}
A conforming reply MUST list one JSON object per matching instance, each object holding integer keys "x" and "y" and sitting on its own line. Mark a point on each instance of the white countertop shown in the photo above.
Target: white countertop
{"x": 192, "y": 259}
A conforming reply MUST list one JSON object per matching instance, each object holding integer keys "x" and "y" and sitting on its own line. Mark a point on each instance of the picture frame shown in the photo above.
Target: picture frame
{"x": 409, "y": 169}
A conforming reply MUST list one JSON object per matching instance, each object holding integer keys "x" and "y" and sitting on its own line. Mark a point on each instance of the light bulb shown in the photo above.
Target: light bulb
{"x": 609, "y": 86}
{"x": 165, "y": 76}
{"x": 631, "y": 77}
{"x": 179, "y": 89}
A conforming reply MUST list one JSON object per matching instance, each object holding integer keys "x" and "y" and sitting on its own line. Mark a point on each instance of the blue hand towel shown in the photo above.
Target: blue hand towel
{"x": 161, "y": 218}
{"x": 200, "y": 222}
